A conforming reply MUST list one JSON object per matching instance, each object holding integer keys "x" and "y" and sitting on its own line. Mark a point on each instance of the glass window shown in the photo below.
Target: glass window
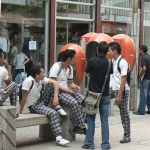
{"x": 74, "y": 10}
{"x": 24, "y": 28}
{"x": 116, "y": 17}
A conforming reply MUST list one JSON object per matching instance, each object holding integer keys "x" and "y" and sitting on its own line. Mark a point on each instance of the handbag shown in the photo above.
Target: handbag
{"x": 92, "y": 100}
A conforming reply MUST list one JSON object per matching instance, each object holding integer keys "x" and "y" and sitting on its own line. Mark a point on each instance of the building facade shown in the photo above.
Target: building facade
{"x": 41, "y": 27}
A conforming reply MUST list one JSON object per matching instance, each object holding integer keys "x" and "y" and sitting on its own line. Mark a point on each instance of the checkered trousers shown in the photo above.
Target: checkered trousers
{"x": 11, "y": 93}
{"x": 74, "y": 103}
{"x": 124, "y": 111}
{"x": 41, "y": 107}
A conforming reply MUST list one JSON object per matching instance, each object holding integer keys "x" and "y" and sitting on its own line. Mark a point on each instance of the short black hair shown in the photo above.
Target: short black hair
{"x": 103, "y": 48}
{"x": 144, "y": 48}
{"x": 115, "y": 46}
{"x": 63, "y": 56}
{"x": 1, "y": 53}
{"x": 35, "y": 70}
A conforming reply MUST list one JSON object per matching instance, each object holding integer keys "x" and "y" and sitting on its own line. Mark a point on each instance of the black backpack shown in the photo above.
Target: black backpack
{"x": 128, "y": 72}
{"x": 20, "y": 91}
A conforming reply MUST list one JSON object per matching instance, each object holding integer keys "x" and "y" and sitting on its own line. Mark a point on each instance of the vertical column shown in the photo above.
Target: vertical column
{"x": 52, "y": 30}
{"x": 142, "y": 23}
{"x": 98, "y": 22}
{"x": 8, "y": 126}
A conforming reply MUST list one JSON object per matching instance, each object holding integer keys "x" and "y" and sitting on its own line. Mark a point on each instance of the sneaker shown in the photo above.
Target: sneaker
{"x": 87, "y": 147}
{"x": 138, "y": 113}
{"x": 78, "y": 130}
{"x": 60, "y": 110}
{"x": 62, "y": 142}
{"x": 125, "y": 140}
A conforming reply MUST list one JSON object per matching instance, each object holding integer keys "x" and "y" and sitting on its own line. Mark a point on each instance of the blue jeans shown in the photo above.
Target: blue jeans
{"x": 144, "y": 96}
{"x": 104, "y": 112}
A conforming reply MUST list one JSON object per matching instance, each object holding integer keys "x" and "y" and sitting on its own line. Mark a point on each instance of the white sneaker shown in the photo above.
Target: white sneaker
{"x": 60, "y": 110}
{"x": 62, "y": 142}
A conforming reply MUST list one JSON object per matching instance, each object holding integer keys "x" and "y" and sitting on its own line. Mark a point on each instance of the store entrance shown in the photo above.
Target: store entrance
{"x": 69, "y": 32}
{"x": 24, "y": 28}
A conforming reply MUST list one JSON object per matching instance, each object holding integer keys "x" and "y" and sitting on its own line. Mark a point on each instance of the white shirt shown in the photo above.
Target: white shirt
{"x": 19, "y": 61}
{"x": 3, "y": 44}
{"x": 35, "y": 92}
{"x": 64, "y": 75}
{"x": 115, "y": 80}
{"x": 3, "y": 76}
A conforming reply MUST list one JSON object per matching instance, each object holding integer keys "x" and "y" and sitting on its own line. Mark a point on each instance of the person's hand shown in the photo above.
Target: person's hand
{"x": 118, "y": 100}
{"x": 5, "y": 63}
{"x": 71, "y": 92}
{"x": 55, "y": 101}
{"x": 75, "y": 88}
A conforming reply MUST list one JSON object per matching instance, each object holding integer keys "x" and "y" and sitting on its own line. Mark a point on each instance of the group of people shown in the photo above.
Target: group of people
{"x": 38, "y": 92}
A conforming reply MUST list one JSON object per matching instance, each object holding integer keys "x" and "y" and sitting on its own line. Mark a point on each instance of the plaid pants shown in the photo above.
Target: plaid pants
{"x": 123, "y": 111}
{"x": 41, "y": 107}
{"x": 11, "y": 93}
{"x": 74, "y": 103}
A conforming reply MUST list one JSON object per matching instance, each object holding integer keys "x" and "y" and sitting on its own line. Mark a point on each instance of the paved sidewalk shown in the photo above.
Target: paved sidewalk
{"x": 140, "y": 128}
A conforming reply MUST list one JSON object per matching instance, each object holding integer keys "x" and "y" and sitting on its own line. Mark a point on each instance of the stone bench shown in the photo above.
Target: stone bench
{"x": 8, "y": 124}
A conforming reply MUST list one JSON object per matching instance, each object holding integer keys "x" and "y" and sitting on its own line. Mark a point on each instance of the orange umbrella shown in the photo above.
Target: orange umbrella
{"x": 80, "y": 60}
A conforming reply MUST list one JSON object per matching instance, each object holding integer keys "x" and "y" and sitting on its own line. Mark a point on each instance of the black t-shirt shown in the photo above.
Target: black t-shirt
{"x": 97, "y": 68}
{"x": 146, "y": 62}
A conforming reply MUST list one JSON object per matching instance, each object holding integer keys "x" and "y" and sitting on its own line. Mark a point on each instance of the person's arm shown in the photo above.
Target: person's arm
{"x": 56, "y": 91}
{"x": 64, "y": 89}
{"x": 122, "y": 87}
{"x": 26, "y": 59}
{"x": 7, "y": 78}
{"x": 23, "y": 100}
{"x": 73, "y": 86}
{"x": 143, "y": 68}
{"x": 124, "y": 70}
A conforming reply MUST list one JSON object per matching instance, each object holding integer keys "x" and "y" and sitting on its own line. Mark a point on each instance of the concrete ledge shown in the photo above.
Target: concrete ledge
{"x": 26, "y": 120}
{"x": 8, "y": 127}
{"x": 1, "y": 142}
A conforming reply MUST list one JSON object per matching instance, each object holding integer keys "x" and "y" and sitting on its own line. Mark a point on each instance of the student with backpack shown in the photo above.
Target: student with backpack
{"x": 120, "y": 87}
{"x": 69, "y": 94}
{"x": 37, "y": 92}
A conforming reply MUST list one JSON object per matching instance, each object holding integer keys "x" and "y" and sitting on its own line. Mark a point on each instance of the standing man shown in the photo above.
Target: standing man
{"x": 97, "y": 68}
{"x": 120, "y": 88}
{"x": 145, "y": 82}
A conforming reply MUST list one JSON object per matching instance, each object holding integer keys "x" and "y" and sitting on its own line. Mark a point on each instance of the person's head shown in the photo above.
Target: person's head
{"x": 37, "y": 72}
{"x": 67, "y": 56}
{"x": 3, "y": 32}
{"x": 102, "y": 49}
{"x": 114, "y": 49}
{"x": 143, "y": 49}
{"x": 2, "y": 57}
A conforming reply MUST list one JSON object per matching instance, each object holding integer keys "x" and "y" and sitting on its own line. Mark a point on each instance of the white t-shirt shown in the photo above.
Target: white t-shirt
{"x": 3, "y": 44}
{"x": 19, "y": 61}
{"x": 3, "y": 76}
{"x": 116, "y": 76}
{"x": 63, "y": 76}
{"x": 35, "y": 92}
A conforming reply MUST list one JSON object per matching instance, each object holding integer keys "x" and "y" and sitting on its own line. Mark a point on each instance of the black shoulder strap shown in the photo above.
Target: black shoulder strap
{"x": 60, "y": 68}
{"x": 118, "y": 64}
{"x": 69, "y": 69}
{"x": 31, "y": 85}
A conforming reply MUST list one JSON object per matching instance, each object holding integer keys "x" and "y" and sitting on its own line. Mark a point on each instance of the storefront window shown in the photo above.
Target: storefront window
{"x": 24, "y": 26}
{"x": 116, "y": 17}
